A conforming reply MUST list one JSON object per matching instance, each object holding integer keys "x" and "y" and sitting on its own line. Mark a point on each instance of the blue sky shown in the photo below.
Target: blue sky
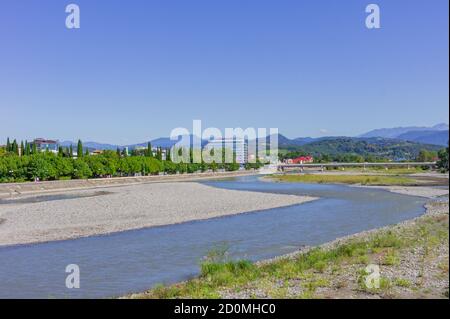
{"x": 137, "y": 69}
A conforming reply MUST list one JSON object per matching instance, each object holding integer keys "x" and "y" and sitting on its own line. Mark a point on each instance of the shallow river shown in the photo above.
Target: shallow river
{"x": 133, "y": 261}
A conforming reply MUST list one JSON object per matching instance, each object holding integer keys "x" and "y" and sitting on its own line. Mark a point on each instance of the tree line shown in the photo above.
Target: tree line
{"x": 441, "y": 158}
{"x": 32, "y": 164}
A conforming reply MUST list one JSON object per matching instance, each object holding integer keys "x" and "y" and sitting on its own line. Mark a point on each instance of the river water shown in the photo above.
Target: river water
{"x": 133, "y": 261}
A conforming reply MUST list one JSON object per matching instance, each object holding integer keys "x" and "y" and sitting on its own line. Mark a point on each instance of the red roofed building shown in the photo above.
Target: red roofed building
{"x": 301, "y": 160}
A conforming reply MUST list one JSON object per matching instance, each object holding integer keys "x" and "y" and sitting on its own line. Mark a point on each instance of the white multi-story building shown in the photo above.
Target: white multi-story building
{"x": 238, "y": 146}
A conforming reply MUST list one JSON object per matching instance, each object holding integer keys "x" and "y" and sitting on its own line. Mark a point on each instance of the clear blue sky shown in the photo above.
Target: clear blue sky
{"x": 137, "y": 69}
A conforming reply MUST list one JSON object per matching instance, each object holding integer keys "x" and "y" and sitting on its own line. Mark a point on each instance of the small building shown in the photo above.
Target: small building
{"x": 300, "y": 160}
{"x": 96, "y": 152}
{"x": 43, "y": 145}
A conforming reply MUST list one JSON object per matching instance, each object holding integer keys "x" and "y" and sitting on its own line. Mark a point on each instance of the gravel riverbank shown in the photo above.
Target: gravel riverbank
{"x": 421, "y": 191}
{"x": 92, "y": 212}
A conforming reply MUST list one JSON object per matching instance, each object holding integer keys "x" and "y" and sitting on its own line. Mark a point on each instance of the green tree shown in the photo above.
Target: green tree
{"x": 442, "y": 163}
{"x": 27, "y": 148}
{"x": 426, "y": 156}
{"x": 213, "y": 166}
{"x": 40, "y": 168}
{"x": 149, "y": 152}
{"x": 60, "y": 151}
{"x": 80, "y": 149}
{"x": 81, "y": 169}
{"x": 15, "y": 147}
{"x": 159, "y": 154}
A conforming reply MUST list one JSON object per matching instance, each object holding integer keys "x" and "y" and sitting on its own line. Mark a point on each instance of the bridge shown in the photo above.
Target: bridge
{"x": 386, "y": 165}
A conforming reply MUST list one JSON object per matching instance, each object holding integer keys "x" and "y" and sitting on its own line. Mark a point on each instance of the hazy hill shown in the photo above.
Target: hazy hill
{"x": 394, "y": 149}
{"x": 427, "y": 137}
{"x": 397, "y": 131}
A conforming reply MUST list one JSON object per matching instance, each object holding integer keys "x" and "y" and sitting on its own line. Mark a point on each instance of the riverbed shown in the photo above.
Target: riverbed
{"x": 132, "y": 261}
{"x": 74, "y": 214}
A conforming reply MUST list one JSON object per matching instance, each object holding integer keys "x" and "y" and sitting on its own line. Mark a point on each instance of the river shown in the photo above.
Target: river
{"x": 133, "y": 261}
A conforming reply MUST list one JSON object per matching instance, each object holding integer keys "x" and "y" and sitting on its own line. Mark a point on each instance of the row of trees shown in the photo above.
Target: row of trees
{"x": 423, "y": 156}
{"x": 341, "y": 158}
{"x": 26, "y": 163}
{"x": 426, "y": 156}
{"x": 49, "y": 166}
{"x": 13, "y": 147}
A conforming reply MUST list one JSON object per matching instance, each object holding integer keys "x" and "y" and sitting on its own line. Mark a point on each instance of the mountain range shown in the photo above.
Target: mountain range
{"x": 437, "y": 135}
{"x": 164, "y": 142}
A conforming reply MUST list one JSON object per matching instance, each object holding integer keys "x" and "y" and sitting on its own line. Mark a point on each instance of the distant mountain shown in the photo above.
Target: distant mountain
{"x": 91, "y": 145}
{"x": 163, "y": 142}
{"x": 397, "y": 131}
{"x": 304, "y": 140}
{"x": 427, "y": 137}
{"x": 393, "y": 143}
{"x": 291, "y": 144}
{"x": 440, "y": 127}
{"x": 166, "y": 142}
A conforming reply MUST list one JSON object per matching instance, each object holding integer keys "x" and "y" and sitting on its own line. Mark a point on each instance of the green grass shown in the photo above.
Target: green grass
{"x": 401, "y": 282}
{"x": 389, "y": 171}
{"x": 217, "y": 274}
{"x": 345, "y": 179}
{"x": 391, "y": 258}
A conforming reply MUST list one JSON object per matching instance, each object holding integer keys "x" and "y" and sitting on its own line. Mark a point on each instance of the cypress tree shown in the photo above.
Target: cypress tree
{"x": 80, "y": 149}
{"x": 8, "y": 145}
{"x": 34, "y": 148}
{"x": 27, "y": 148}
{"x": 159, "y": 154}
{"x": 149, "y": 150}
{"x": 22, "y": 148}
{"x": 118, "y": 152}
{"x": 70, "y": 150}
{"x": 15, "y": 147}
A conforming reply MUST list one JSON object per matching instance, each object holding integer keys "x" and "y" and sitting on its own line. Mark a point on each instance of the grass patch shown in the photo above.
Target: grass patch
{"x": 389, "y": 171}
{"x": 391, "y": 258}
{"x": 400, "y": 282}
{"x": 345, "y": 179}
